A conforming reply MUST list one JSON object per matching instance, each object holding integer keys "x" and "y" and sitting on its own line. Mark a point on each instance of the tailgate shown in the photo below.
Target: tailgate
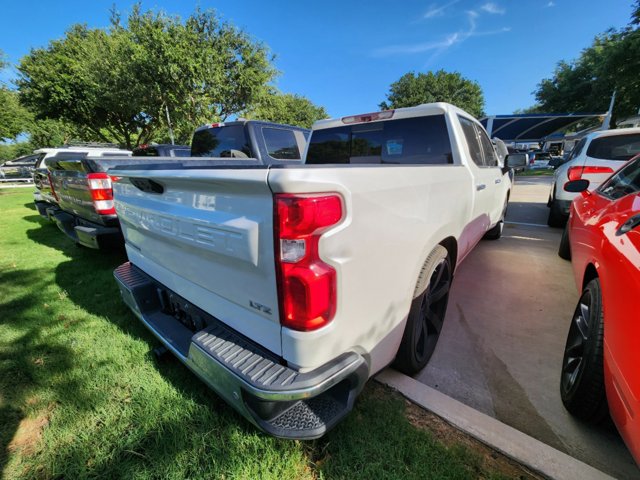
{"x": 72, "y": 188}
{"x": 206, "y": 234}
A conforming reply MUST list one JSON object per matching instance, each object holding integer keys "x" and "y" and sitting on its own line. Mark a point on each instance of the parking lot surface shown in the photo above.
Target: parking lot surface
{"x": 503, "y": 338}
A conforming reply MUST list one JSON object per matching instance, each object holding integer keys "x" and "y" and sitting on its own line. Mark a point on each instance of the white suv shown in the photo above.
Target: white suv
{"x": 594, "y": 158}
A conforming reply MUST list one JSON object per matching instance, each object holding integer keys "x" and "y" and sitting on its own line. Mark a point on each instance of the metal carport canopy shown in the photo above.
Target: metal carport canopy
{"x": 531, "y": 127}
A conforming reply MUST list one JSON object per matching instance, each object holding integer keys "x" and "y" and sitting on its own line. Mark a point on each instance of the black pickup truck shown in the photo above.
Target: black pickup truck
{"x": 85, "y": 209}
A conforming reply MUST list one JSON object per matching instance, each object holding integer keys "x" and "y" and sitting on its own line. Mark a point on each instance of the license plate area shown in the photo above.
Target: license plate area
{"x": 182, "y": 310}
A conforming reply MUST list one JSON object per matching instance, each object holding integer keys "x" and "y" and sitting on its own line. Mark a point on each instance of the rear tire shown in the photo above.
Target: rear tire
{"x": 582, "y": 380}
{"x": 556, "y": 218}
{"x": 496, "y": 232}
{"x": 564, "y": 250}
{"x": 427, "y": 312}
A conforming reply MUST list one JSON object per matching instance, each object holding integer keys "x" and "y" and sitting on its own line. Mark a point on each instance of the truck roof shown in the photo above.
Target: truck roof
{"x": 244, "y": 122}
{"x": 395, "y": 114}
{"x": 92, "y": 150}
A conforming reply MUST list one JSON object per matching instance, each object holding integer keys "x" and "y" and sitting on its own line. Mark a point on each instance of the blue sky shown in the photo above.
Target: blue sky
{"x": 345, "y": 54}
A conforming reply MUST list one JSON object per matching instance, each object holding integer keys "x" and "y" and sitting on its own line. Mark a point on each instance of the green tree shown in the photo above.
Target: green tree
{"x": 586, "y": 84}
{"x": 286, "y": 108}
{"x": 414, "y": 89}
{"x": 119, "y": 84}
{"x": 13, "y": 117}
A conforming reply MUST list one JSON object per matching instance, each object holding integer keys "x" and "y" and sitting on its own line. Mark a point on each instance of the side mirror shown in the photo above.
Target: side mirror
{"x": 576, "y": 186}
{"x": 516, "y": 160}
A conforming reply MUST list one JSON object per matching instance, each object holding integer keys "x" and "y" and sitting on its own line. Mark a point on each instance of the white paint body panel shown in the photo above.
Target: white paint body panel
{"x": 209, "y": 237}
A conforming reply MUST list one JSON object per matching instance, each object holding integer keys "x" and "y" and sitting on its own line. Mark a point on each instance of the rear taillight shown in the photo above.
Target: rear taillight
{"x": 101, "y": 193}
{"x": 576, "y": 173}
{"x": 307, "y": 285}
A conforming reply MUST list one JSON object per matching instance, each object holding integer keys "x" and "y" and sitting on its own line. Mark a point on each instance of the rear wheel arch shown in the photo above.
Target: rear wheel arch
{"x": 451, "y": 244}
{"x": 589, "y": 274}
{"x": 427, "y": 311}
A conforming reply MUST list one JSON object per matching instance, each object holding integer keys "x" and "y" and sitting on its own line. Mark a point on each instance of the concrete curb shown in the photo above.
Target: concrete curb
{"x": 524, "y": 449}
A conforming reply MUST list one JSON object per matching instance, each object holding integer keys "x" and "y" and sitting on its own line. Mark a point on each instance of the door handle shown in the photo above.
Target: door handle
{"x": 480, "y": 186}
{"x": 629, "y": 225}
{"x": 498, "y": 180}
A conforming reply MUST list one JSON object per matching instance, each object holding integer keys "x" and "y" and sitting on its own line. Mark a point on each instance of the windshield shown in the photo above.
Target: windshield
{"x": 619, "y": 147}
{"x": 225, "y": 141}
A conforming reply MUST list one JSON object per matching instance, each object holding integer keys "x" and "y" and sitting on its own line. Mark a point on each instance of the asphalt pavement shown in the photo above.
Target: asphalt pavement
{"x": 503, "y": 338}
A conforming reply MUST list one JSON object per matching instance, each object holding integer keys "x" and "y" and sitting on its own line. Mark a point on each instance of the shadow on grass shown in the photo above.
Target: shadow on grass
{"x": 31, "y": 362}
{"x": 75, "y": 345}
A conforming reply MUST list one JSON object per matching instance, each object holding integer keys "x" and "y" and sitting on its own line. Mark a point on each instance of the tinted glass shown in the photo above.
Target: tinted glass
{"x": 490, "y": 158}
{"x": 281, "y": 144}
{"x": 623, "y": 183}
{"x": 53, "y": 163}
{"x": 182, "y": 152}
{"x": 420, "y": 140}
{"x": 577, "y": 149}
{"x": 619, "y": 147}
{"x": 228, "y": 142}
{"x": 146, "y": 152}
{"x": 331, "y": 145}
{"x": 472, "y": 140}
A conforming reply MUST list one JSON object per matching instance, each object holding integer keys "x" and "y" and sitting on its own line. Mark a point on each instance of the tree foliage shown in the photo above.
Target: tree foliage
{"x": 13, "y": 117}
{"x": 286, "y": 108}
{"x": 120, "y": 83}
{"x": 414, "y": 89}
{"x": 586, "y": 84}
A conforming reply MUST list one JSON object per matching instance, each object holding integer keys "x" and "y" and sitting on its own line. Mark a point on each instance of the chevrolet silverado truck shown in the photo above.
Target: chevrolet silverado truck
{"x": 78, "y": 187}
{"x": 286, "y": 287}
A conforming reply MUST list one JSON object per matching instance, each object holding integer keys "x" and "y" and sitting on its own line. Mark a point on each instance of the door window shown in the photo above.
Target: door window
{"x": 470, "y": 134}
{"x": 623, "y": 183}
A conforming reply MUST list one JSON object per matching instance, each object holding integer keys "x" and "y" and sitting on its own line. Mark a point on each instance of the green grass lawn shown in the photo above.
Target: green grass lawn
{"x": 82, "y": 396}
{"x": 537, "y": 172}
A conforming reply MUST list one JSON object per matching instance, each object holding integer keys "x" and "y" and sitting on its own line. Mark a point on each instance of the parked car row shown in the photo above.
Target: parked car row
{"x": 74, "y": 190}
{"x": 600, "y": 373}
{"x": 251, "y": 261}
{"x": 20, "y": 169}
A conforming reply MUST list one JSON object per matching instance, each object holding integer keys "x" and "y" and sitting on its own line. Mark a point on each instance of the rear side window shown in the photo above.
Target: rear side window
{"x": 419, "y": 140}
{"x": 577, "y": 150}
{"x": 227, "y": 142}
{"x": 619, "y": 147}
{"x": 473, "y": 143}
{"x": 281, "y": 144}
{"x": 623, "y": 183}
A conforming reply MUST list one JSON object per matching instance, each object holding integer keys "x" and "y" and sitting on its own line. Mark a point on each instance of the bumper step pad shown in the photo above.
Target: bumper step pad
{"x": 277, "y": 398}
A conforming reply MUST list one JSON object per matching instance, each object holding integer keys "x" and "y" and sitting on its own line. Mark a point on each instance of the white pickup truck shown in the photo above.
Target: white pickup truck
{"x": 286, "y": 287}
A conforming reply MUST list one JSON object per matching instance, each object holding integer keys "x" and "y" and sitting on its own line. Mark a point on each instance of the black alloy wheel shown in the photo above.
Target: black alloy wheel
{"x": 582, "y": 379}
{"x": 425, "y": 319}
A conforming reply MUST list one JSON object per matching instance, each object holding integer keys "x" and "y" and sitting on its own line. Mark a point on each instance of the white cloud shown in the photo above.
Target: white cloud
{"x": 493, "y": 8}
{"x": 436, "y": 10}
{"x": 440, "y": 46}
{"x": 551, "y": 3}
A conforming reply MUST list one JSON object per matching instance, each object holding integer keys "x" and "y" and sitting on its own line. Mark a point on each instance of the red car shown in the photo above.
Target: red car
{"x": 601, "y": 365}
